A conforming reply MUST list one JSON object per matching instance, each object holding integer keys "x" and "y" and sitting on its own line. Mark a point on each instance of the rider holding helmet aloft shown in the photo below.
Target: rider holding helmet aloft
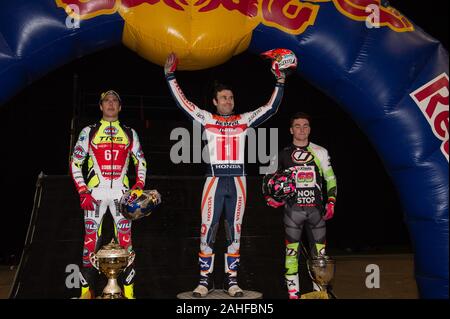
{"x": 225, "y": 186}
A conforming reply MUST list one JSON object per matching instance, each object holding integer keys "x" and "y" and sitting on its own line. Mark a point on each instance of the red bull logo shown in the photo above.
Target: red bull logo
{"x": 288, "y": 15}
{"x": 432, "y": 100}
{"x": 133, "y": 196}
{"x": 197, "y": 27}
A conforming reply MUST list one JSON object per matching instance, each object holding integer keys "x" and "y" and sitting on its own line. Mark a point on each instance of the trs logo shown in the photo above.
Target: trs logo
{"x": 432, "y": 100}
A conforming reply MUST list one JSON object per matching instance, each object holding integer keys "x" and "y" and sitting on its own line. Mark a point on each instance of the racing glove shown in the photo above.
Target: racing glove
{"x": 87, "y": 201}
{"x": 273, "y": 203}
{"x": 329, "y": 208}
{"x": 138, "y": 185}
{"x": 171, "y": 64}
{"x": 279, "y": 75}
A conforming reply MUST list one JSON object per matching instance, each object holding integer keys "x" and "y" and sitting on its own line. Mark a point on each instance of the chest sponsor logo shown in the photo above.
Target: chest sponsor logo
{"x": 305, "y": 177}
{"x": 302, "y": 157}
{"x": 306, "y": 197}
{"x": 111, "y": 130}
{"x": 124, "y": 226}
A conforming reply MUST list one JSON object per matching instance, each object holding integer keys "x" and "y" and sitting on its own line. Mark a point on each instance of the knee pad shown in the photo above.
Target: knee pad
{"x": 211, "y": 235}
{"x": 291, "y": 263}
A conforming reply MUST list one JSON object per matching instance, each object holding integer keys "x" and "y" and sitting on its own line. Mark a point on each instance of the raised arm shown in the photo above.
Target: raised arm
{"x": 192, "y": 110}
{"x": 261, "y": 114}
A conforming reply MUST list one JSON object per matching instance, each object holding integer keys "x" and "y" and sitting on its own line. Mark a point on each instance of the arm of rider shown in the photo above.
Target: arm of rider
{"x": 329, "y": 208}
{"x": 273, "y": 203}
{"x": 138, "y": 185}
{"x": 137, "y": 155}
{"x": 86, "y": 200}
{"x": 171, "y": 64}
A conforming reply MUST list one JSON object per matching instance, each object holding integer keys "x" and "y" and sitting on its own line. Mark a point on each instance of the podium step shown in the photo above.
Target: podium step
{"x": 220, "y": 294}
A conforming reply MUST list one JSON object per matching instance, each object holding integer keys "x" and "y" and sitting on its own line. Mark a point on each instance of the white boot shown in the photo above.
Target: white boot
{"x": 293, "y": 286}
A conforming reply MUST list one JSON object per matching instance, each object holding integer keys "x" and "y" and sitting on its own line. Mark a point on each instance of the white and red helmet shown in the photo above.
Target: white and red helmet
{"x": 283, "y": 60}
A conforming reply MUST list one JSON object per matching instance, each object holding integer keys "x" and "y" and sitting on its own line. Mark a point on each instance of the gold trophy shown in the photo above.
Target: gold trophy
{"x": 111, "y": 260}
{"x": 321, "y": 269}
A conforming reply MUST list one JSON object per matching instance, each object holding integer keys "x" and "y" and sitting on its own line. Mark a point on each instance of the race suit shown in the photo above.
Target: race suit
{"x": 225, "y": 186}
{"x": 312, "y": 166}
{"x": 108, "y": 147}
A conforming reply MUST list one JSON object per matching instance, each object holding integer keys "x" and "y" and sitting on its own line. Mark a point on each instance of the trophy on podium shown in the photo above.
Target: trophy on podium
{"x": 321, "y": 269}
{"x": 111, "y": 260}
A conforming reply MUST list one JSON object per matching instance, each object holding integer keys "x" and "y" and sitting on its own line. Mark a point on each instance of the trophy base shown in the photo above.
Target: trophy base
{"x": 220, "y": 294}
{"x": 111, "y": 296}
{"x": 315, "y": 295}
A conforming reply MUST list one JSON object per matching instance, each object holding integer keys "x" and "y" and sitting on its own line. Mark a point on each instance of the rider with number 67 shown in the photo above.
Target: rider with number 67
{"x": 107, "y": 146}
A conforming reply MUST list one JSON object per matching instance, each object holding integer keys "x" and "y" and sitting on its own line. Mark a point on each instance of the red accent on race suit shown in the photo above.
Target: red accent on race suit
{"x": 111, "y": 158}
{"x": 110, "y": 155}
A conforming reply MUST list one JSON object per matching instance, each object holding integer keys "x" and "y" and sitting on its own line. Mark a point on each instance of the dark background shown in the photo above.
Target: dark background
{"x": 36, "y": 133}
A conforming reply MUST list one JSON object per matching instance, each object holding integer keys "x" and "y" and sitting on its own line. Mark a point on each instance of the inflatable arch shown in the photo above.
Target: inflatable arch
{"x": 388, "y": 74}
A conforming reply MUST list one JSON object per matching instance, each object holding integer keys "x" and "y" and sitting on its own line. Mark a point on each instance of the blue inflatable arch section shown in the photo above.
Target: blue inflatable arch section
{"x": 393, "y": 84}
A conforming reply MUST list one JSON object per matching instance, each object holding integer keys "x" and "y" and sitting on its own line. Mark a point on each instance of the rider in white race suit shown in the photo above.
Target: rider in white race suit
{"x": 107, "y": 146}
{"x": 225, "y": 186}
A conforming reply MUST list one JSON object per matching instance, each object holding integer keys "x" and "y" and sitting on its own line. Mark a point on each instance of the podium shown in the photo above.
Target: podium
{"x": 220, "y": 294}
